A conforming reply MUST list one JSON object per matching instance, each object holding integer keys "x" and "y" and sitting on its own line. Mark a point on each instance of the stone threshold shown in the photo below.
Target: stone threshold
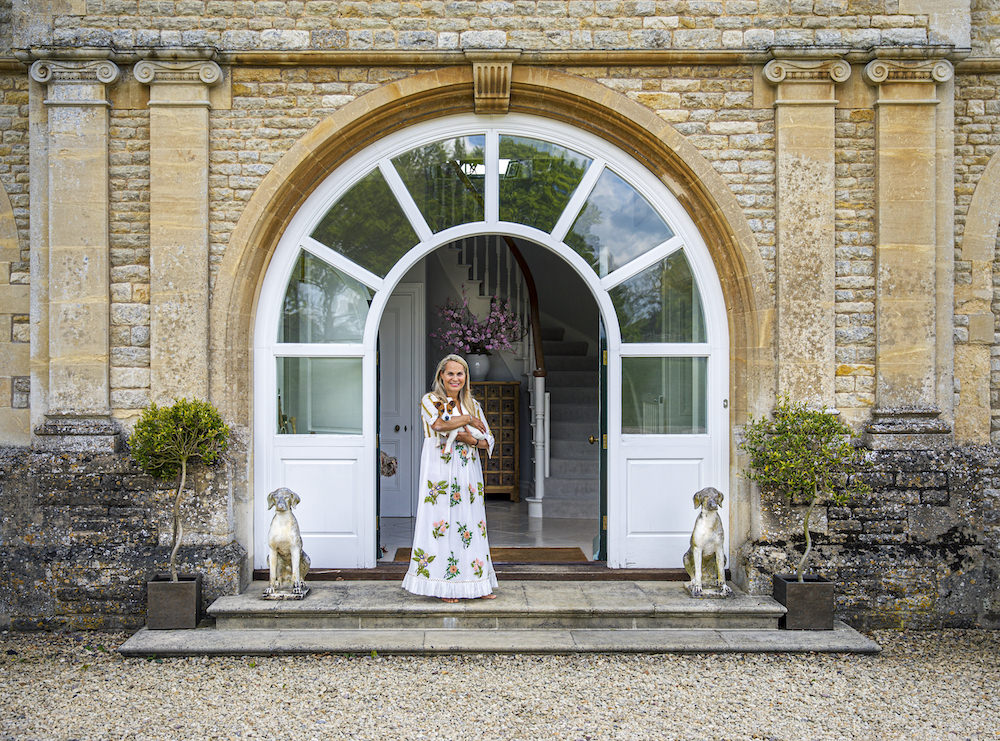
{"x": 209, "y": 641}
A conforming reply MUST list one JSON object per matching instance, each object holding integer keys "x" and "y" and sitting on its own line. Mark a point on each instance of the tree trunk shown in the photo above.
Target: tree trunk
{"x": 178, "y": 528}
{"x": 805, "y": 530}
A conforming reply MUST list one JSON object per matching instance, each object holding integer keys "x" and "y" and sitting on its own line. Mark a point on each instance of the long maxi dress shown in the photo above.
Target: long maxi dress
{"x": 451, "y": 552}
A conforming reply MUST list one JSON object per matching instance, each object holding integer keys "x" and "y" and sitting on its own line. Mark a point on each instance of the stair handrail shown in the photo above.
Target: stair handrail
{"x": 529, "y": 280}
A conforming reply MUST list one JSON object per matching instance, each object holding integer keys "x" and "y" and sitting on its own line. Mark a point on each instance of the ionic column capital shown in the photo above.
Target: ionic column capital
{"x": 881, "y": 71}
{"x": 149, "y": 71}
{"x": 806, "y": 70}
{"x": 97, "y": 71}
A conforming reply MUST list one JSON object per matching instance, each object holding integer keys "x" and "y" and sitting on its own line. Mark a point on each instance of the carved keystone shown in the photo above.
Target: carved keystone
{"x": 491, "y": 73}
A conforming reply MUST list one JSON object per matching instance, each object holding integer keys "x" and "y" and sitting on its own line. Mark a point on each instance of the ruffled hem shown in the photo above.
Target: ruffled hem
{"x": 450, "y": 589}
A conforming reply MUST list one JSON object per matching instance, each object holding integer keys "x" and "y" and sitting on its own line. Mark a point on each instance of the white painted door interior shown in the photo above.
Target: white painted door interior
{"x": 330, "y": 280}
{"x": 400, "y": 371}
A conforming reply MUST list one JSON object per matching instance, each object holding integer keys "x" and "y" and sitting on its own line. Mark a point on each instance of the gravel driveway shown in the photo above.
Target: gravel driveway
{"x": 924, "y": 685}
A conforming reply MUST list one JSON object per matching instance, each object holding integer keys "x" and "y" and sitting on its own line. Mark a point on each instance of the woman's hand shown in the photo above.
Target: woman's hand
{"x": 468, "y": 439}
{"x": 476, "y": 422}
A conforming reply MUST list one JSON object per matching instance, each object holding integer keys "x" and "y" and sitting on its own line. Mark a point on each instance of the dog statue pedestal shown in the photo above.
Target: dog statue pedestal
{"x": 705, "y": 560}
{"x": 285, "y": 593}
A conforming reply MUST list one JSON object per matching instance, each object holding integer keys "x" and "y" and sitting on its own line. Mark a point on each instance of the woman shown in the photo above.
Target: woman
{"x": 451, "y": 553}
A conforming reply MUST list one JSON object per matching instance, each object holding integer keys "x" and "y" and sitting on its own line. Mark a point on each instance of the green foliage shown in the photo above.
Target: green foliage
{"x": 801, "y": 454}
{"x": 166, "y": 438}
{"x": 804, "y": 455}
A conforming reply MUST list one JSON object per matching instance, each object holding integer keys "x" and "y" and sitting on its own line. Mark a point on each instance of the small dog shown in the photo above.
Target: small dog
{"x": 447, "y": 411}
{"x": 707, "y": 553}
{"x": 287, "y": 562}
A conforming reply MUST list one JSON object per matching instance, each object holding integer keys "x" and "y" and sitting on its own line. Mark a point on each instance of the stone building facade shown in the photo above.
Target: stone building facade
{"x": 837, "y": 158}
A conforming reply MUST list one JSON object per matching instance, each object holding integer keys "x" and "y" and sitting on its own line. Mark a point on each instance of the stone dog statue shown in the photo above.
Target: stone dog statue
{"x": 287, "y": 562}
{"x": 705, "y": 560}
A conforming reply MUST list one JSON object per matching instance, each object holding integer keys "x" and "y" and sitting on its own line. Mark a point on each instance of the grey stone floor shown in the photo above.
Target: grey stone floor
{"x": 924, "y": 685}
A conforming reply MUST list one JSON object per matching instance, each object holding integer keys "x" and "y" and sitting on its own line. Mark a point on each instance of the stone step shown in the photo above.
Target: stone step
{"x": 526, "y": 617}
{"x": 582, "y": 505}
{"x": 210, "y": 641}
{"x": 520, "y": 605}
{"x": 569, "y": 430}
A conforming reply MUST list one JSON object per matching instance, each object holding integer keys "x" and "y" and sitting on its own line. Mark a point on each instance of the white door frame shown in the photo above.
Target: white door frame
{"x": 361, "y": 448}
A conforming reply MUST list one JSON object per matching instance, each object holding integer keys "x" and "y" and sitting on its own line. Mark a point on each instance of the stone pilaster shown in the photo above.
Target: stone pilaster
{"x": 804, "y": 128}
{"x": 77, "y": 403}
{"x": 178, "y": 224}
{"x": 907, "y": 286}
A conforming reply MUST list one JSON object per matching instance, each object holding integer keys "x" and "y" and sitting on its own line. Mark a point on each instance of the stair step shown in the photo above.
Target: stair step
{"x": 553, "y": 333}
{"x": 575, "y": 395}
{"x": 576, "y": 449}
{"x": 587, "y": 488}
{"x": 572, "y": 468}
{"x": 567, "y": 430}
{"x": 564, "y": 347}
{"x": 574, "y": 508}
{"x": 572, "y": 378}
{"x": 520, "y": 605}
{"x": 569, "y": 362}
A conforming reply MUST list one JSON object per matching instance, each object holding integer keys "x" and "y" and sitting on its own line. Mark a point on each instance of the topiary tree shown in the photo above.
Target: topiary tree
{"x": 166, "y": 439}
{"x": 802, "y": 454}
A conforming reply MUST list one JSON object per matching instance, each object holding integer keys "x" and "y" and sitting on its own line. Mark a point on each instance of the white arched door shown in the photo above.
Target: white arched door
{"x": 373, "y": 218}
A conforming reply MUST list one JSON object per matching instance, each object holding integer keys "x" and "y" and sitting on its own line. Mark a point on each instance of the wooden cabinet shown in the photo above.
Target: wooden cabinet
{"x": 501, "y": 402}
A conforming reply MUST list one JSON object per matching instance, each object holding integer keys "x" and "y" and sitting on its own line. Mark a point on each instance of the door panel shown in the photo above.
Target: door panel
{"x": 327, "y": 479}
{"x": 660, "y": 487}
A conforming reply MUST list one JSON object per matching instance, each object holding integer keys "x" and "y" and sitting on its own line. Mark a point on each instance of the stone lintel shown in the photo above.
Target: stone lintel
{"x": 907, "y": 428}
{"x": 491, "y": 73}
{"x": 90, "y": 434}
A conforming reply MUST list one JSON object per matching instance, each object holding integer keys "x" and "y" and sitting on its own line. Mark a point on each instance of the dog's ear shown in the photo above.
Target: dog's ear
{"x": 699, "y": 498}
{"x": 719, "y": 496}
{"x": 295, "y": 499}
{"x": 270, "y": 499}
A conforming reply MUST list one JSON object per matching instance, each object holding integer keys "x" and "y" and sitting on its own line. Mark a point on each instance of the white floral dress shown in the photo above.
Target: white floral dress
{"x": 451, "y": 553}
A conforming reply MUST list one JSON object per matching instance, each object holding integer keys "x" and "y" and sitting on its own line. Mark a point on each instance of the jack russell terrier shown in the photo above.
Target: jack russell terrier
{"x": 447, "y": 410}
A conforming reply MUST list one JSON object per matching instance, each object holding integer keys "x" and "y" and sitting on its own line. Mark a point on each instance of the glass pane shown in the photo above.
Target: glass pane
{"x": 664, "y": 395}
{"x": 536, "y": 180}
{"x": 445, "y": 179}
{"x": 367, "y": 226}
{"x": 661, "y": 304}
{"x": 323, "y": 304}
{"x": 319, "y": 396}
{"x": 615, "y": 226}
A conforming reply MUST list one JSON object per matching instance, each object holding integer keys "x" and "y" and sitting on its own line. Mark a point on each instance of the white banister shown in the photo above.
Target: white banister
{"x": 538, "y": 403}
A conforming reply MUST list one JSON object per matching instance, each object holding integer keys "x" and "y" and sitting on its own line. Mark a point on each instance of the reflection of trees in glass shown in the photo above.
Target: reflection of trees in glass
{"x": 536, "y": 180}
{"x": 367, "y": 226}
{"x": 322, "y": 304}
{"x": 660, "y": 304}
{"x": 664, "y": 395}
{"x": 616, "y": 225}
{"x": 438, "y": 176}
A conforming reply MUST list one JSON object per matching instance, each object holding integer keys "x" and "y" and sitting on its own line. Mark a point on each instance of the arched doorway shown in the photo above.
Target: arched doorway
{"x": 618, "y": 227}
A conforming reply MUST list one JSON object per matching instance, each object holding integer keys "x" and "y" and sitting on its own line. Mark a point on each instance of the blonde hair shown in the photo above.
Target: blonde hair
{"x": 465, "y": 394}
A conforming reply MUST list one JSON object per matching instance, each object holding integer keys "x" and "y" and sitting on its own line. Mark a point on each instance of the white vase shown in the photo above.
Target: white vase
{"x": 479, "y": 366}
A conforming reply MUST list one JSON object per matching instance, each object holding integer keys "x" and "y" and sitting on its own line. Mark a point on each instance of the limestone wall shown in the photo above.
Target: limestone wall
{"x": 526, "y": 24}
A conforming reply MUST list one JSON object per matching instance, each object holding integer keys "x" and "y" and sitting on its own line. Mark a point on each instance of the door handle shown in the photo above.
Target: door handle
{"x": 396, "y": 428}
{"x": 592, "y": 439}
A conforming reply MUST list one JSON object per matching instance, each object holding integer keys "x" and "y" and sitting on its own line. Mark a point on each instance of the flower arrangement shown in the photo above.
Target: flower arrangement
{"x": 464, "y": 332}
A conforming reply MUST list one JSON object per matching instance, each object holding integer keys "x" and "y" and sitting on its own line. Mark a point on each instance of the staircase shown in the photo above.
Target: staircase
{"x": 573, "y": 382}
{"x": 527, "y": 616}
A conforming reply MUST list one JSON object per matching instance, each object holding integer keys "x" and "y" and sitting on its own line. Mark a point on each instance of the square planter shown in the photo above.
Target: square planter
{"x": 173, "y": 605}
{"x": 809, "y": 603}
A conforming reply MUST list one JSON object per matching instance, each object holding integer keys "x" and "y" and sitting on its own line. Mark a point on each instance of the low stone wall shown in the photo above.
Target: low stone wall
{"x": 922, "y": 551}
{"x": 81, "y": 534}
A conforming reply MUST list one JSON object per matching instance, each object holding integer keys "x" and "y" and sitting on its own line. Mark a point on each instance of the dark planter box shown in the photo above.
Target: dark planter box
{"x": 809, "y": 603}
{"x": 173, "y": 605}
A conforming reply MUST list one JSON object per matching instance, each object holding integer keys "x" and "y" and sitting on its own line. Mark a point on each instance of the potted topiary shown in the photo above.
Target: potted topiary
{"x": 803, "y": 455}
{"x": 165, "y": 441}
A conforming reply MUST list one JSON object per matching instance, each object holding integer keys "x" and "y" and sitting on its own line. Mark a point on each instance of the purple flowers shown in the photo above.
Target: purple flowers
{"x": 464, "y": 332}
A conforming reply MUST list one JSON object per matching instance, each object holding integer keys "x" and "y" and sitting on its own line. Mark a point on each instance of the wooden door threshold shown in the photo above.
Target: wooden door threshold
{"x": 589, "y": 571}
